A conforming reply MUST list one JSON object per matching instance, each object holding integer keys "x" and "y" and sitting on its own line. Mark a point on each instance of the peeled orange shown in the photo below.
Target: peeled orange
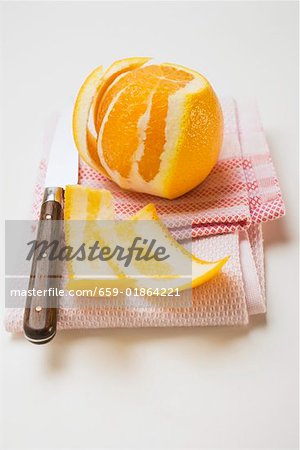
{"x": 155, "y": 128}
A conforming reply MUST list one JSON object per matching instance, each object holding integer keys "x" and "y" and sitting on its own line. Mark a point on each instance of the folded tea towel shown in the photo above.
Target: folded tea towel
{"x": 241, "y": 190}
{"x": 222, "y": 216}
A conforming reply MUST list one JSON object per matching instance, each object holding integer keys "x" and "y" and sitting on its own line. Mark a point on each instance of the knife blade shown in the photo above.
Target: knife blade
{"x": 40, "y": 313}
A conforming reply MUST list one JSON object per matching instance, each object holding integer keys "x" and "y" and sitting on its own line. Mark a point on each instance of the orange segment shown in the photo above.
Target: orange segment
{"x": 123, "y": 120}
{"x": 115, "y": 70}
{"x": 170, "y": 81}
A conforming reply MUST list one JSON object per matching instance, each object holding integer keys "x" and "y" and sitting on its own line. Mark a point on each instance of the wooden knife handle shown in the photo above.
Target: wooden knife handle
{"x": 40, "y": 314}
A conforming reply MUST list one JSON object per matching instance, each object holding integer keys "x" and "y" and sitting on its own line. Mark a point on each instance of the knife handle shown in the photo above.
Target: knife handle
{"x": 40, "y": 314}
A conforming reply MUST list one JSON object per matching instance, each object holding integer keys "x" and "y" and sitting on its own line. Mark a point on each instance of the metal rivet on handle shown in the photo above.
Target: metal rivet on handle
{"x": 38, "y": 308}
{"x": 48, "y": 216}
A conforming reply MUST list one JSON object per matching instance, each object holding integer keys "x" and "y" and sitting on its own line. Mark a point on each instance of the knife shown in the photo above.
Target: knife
{"x": 40, "y": 313}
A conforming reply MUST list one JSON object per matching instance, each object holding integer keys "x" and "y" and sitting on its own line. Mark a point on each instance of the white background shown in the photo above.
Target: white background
{"x": 158, "y": 388}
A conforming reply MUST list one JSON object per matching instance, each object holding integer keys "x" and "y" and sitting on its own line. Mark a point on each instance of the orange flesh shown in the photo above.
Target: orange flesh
{"x": 135, "y": 90}
{"x": 155, "y": 134}
{"x": 106, "y": 85}
{"x": 123, "y": 122}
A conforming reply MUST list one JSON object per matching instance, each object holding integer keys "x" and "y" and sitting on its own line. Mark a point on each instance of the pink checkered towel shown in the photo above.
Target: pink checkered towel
{"x": 222, "y": 216}
{"x": 241, "y": 190}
